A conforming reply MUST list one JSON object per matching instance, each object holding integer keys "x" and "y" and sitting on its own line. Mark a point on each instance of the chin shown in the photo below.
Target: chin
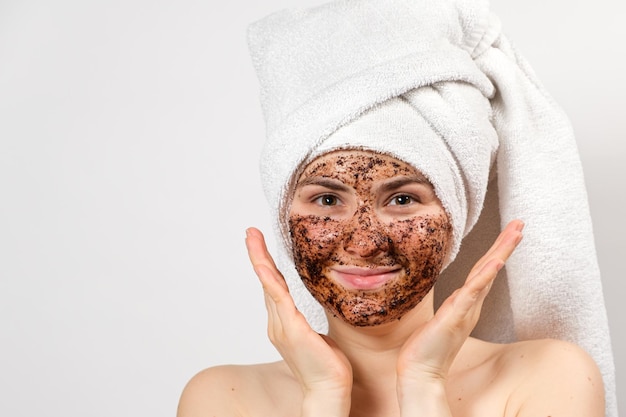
{"x": 369, "y": 311}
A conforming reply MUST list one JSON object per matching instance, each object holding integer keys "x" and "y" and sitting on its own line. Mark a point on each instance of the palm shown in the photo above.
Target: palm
{"x": 431, "y": 349}
{"x": 314, "y": 359}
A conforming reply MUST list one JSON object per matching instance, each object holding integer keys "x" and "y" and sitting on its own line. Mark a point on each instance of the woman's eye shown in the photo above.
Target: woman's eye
{"x": 401, "y": 200}
{"x": 327, "y": 200}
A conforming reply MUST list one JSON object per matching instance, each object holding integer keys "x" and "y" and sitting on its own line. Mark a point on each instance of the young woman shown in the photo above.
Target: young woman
{"x": 369, "y": 238}
{"x": 401, "y": 134}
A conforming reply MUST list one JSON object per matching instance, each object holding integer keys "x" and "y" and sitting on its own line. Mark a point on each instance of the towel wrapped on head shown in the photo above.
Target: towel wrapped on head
{"x": 437, "y": 85}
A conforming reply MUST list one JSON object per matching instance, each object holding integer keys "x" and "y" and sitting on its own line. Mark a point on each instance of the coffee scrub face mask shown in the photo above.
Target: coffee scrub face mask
{"x": 369, "y": 235}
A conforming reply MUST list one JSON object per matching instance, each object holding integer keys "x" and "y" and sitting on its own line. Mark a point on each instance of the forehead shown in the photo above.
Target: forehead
{"x": 357, "y": 164}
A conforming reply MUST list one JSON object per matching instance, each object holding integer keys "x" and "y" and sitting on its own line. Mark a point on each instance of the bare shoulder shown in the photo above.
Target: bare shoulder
{"x": 211, "y": 392}
{"x": 553, "y": 378}
{"x": 232, "y": 390}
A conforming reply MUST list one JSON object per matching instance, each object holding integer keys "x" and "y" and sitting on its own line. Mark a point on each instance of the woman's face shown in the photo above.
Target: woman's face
{"x": 369, "y": 235}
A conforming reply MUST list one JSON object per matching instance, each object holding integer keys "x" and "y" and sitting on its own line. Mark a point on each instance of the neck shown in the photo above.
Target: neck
{"x": 382, "y": 338}
{"x": 373, "y": 351}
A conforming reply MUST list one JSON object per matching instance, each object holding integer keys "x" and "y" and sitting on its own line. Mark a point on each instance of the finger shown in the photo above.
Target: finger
{"x": 514, "y": 227}
{"x": 287, "y": 328}
{"x": 460, "y": 312}
{"x": 502, "y": 248}
{"x": 257, "y": 248}
{"x": 284, "y": 319}
{"x": 471, "y": 296}
{"x": 281, "y": 305}
{"x": 513, "y": 230}
{"x": 274, "y": 326}
{"x": 273, "y": 283}
{"x": 260, "y": 256}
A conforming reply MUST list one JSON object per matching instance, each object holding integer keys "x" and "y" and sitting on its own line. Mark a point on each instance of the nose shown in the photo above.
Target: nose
{"x": 364, "y": 236}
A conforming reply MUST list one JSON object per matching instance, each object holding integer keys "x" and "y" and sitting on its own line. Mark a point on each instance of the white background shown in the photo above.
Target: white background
{"x": 129, "y": 137}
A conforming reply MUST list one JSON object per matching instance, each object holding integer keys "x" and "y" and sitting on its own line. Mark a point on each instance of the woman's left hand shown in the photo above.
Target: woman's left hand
{"x": 426, "y": 357}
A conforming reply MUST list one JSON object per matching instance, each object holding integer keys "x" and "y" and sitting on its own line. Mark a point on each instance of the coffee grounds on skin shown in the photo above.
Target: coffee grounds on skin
{"x": 418, "y": 245}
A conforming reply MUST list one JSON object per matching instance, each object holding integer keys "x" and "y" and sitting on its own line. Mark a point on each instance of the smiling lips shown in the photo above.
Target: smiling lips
{"x": 364, "y": 278}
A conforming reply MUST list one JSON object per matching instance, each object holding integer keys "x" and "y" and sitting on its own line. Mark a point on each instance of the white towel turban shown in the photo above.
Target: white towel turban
{"x": 436, "y": 84}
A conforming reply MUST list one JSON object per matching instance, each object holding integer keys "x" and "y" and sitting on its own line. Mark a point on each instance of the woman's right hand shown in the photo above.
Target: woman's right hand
{"x": 322, "y": 370}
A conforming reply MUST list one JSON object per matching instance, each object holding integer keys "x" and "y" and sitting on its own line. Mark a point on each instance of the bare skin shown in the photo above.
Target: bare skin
{"x": 391, "y": 360}
{"x": 369, "y": 236}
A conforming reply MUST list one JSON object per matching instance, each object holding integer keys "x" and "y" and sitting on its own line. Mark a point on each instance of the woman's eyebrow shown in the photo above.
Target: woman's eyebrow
{"x": 401, "y": 181}
{"x": 323, "y": 182}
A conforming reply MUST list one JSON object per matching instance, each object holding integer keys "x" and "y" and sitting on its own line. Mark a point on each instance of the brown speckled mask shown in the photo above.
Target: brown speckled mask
{"x": 369, "y": 236}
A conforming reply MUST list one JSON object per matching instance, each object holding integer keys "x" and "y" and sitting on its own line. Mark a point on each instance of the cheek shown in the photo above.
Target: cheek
{"x": 313, "y": 239}
{"x": 423, "y": 242}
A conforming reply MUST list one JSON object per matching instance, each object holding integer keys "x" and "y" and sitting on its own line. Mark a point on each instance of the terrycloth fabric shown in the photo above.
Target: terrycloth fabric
{"x": 435, "y": 83}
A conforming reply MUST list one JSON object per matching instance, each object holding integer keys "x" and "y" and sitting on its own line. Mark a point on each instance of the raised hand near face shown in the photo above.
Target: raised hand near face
{"x": 323, "y": 371}
{"x": 427, "y": 356}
